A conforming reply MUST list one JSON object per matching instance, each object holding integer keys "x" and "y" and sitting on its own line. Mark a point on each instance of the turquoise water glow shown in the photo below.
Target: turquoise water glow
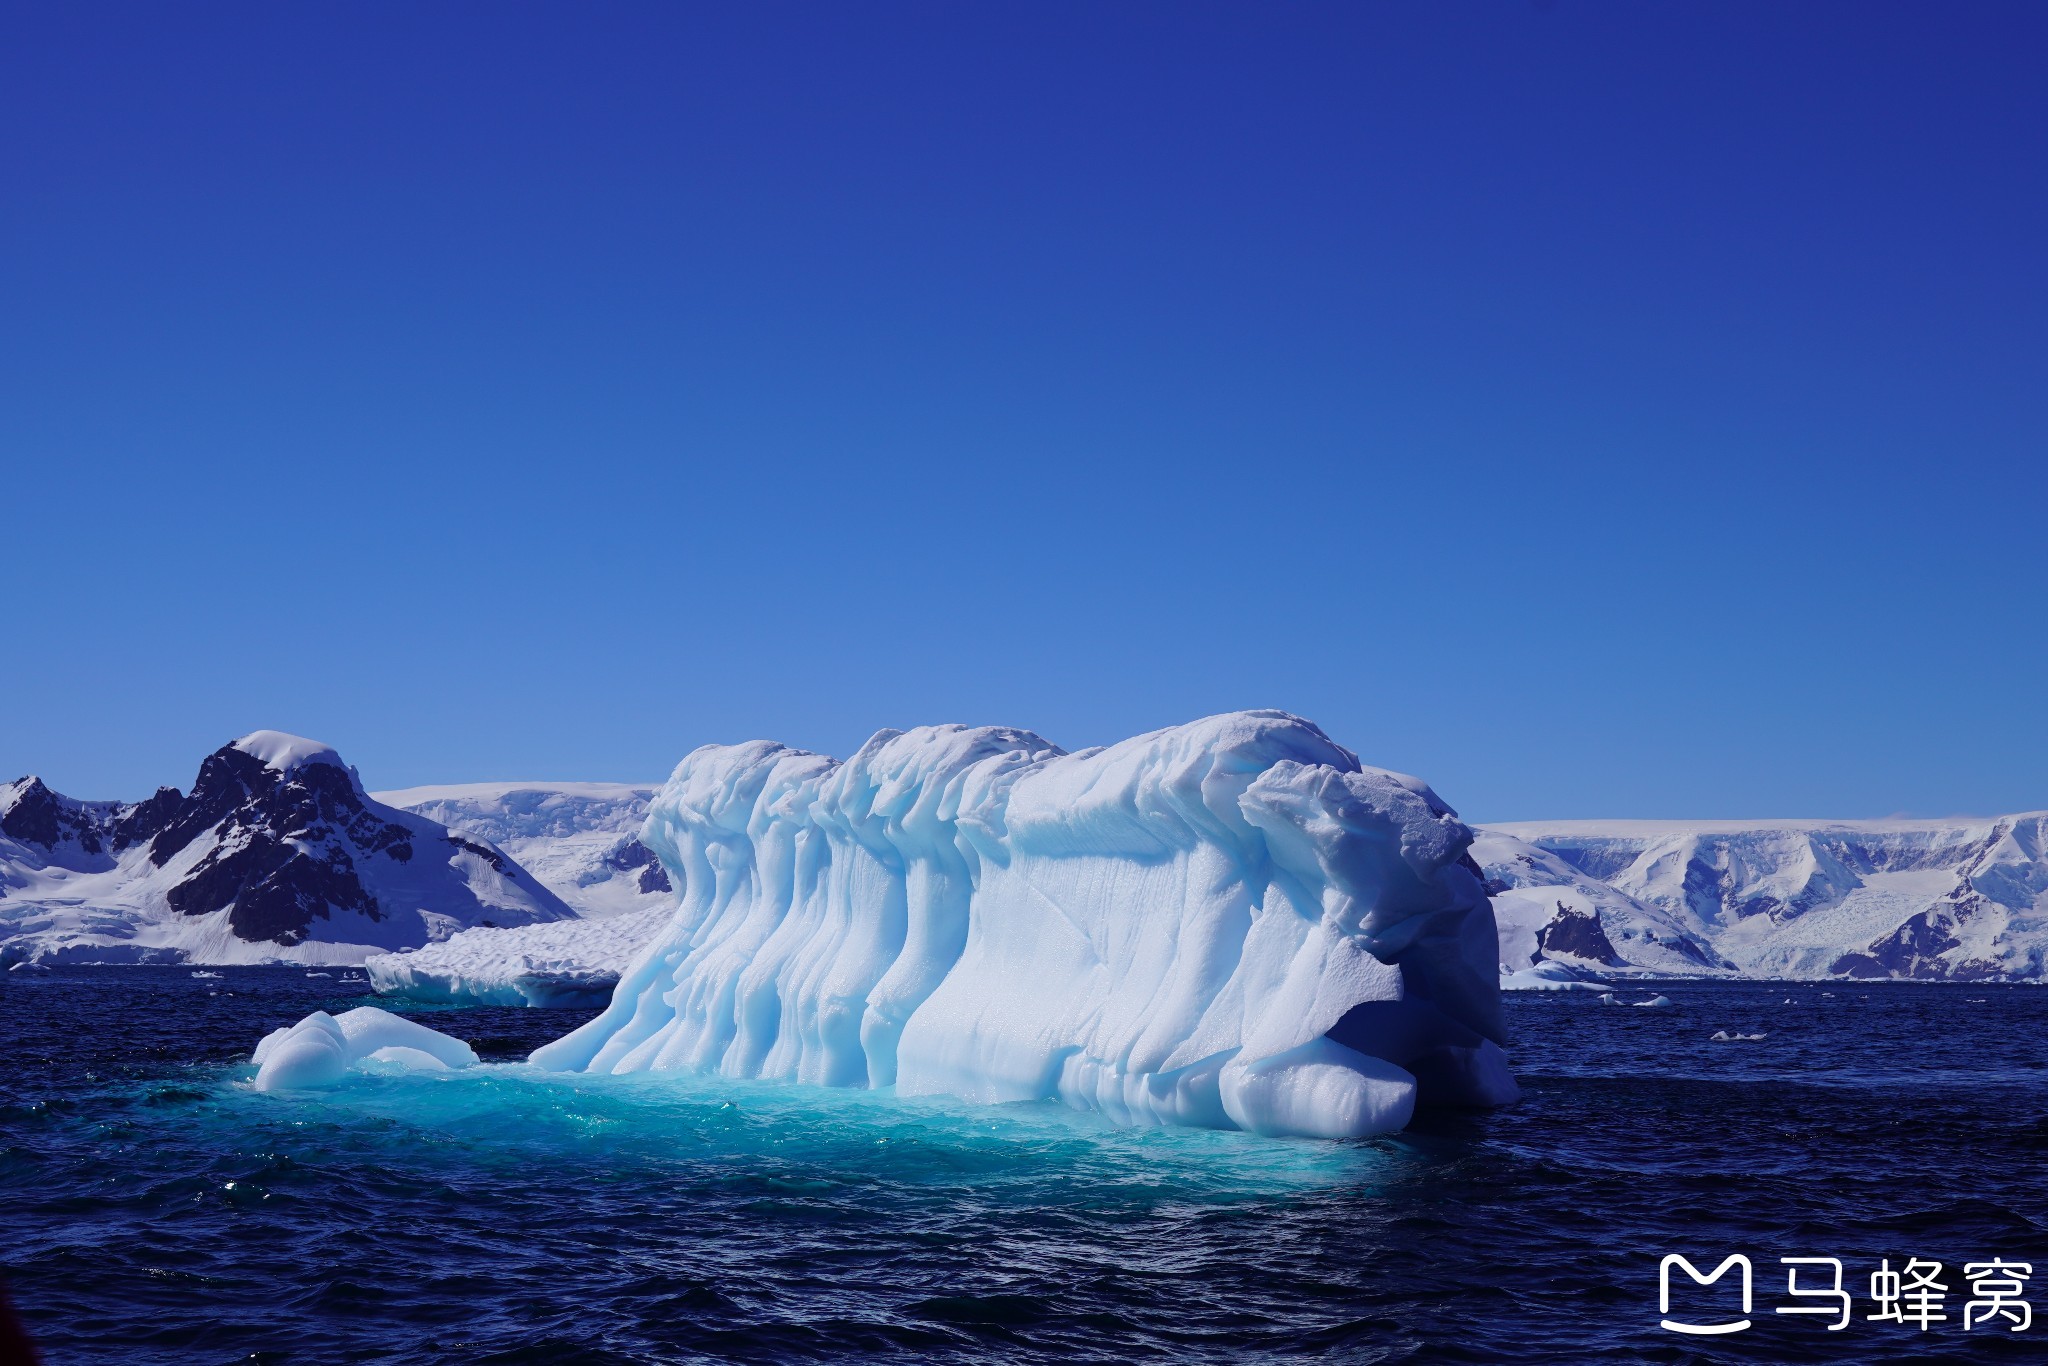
{"x": 156, "y": 1209}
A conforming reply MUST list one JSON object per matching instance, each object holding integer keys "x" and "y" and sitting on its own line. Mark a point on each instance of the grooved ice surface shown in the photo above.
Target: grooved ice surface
{"x": 1229, "y": 923}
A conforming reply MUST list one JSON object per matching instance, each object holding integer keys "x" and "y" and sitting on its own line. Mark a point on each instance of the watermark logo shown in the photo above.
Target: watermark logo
{"x": 1664, "y": 1292}
{"x": 1915, "y": 1295}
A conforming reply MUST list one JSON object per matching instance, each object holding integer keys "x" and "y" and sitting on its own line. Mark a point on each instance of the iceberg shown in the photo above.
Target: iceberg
{"x": 1550, "y": 975}
{"x": 1231, "y": 923}
{"x": 565, "y": 963}
{"x": 320, "y": 1049}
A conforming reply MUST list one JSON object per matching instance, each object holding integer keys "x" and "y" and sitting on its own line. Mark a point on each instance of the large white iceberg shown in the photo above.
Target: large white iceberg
{"x": 1230, "y": 923}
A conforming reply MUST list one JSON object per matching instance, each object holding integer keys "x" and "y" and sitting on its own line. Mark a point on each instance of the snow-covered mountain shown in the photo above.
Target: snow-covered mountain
{"x": 277, "y": 854}
{"x": 1545, "y": 909}
{"x": 582, "y": 840}
{"x": 1958, "y": 899}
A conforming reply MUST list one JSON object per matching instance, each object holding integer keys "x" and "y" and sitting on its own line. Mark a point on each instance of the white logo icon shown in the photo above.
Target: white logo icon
{"x": 1703, "y": 1329}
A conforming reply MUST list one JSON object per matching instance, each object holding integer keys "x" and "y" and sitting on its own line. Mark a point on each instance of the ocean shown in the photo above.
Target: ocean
{"x": 154, "y": 1209}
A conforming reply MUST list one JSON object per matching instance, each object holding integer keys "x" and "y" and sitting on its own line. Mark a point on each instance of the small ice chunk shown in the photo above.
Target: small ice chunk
{"x": 308, "y": 1054}
{"x": 319, "y": 1050}
{"x": 206, "y": 974}
{"x": 1653, "y": 1001}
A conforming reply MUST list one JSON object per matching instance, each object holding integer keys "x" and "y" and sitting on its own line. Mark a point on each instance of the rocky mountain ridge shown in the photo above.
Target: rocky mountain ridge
{"x": 277, "y": 852}
{"x": 1962, "y": 899}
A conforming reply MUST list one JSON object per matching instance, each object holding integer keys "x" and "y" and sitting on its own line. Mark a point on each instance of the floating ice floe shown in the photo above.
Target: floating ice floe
{"x": 1230, "y": 924}
{"x": 563, "y": 963}
{"x": 320, "y": 1049}
{"x": 1653, "y": 1001}
{"x": 319, "y": 974}
{"x": 1550, "y": 975}
{"x": 206, "y": 975}
{"x": 1723, "y": 1036}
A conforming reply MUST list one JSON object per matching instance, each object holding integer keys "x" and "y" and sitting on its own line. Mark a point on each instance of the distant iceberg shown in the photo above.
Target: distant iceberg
{"x": 564, "y": 963}
{"x": 1544, "y": 976}
{"x": 1230, "y": 923}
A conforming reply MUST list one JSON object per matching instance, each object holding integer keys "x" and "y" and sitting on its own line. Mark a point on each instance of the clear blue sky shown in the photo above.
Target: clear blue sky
{"x": 1600, "y": 409}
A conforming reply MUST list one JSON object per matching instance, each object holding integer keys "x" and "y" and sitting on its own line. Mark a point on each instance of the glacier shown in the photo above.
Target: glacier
{"x": 579, "y": 840}
{"x": 1550, "y": 912}
{"x": 1962, "y": 899}
{"x": 1231, "y": 923}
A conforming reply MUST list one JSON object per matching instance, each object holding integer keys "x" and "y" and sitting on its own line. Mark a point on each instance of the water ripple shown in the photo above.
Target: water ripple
{"x": 155, "y": 1209}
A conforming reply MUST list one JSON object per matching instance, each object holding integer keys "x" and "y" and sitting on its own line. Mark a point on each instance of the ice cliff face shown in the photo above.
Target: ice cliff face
{"x": 1230, "y": 923}
{"x": 1965, "y": 900}
{"x": 276, "y": 853}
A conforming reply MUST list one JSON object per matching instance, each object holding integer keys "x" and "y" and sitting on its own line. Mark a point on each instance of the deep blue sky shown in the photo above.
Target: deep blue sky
{"x": 1599, "y": 409}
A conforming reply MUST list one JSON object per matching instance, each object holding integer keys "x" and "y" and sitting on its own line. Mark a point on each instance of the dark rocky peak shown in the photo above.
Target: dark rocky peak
{"x": 1577, "y": 933}
{"x": 286, "y": 787}
{"x": 138, "y": 823}
{"x": 629, "y": 854}
{"x": 31, "y": 813}
{"x": 292, "y": 821}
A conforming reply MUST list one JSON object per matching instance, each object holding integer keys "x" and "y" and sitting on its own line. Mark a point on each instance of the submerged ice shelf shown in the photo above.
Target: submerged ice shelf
{"x": 1230, "y": 923}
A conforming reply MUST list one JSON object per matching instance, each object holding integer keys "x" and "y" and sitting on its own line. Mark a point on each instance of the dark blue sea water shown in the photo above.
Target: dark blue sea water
{"x": 155, "y": 1210}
